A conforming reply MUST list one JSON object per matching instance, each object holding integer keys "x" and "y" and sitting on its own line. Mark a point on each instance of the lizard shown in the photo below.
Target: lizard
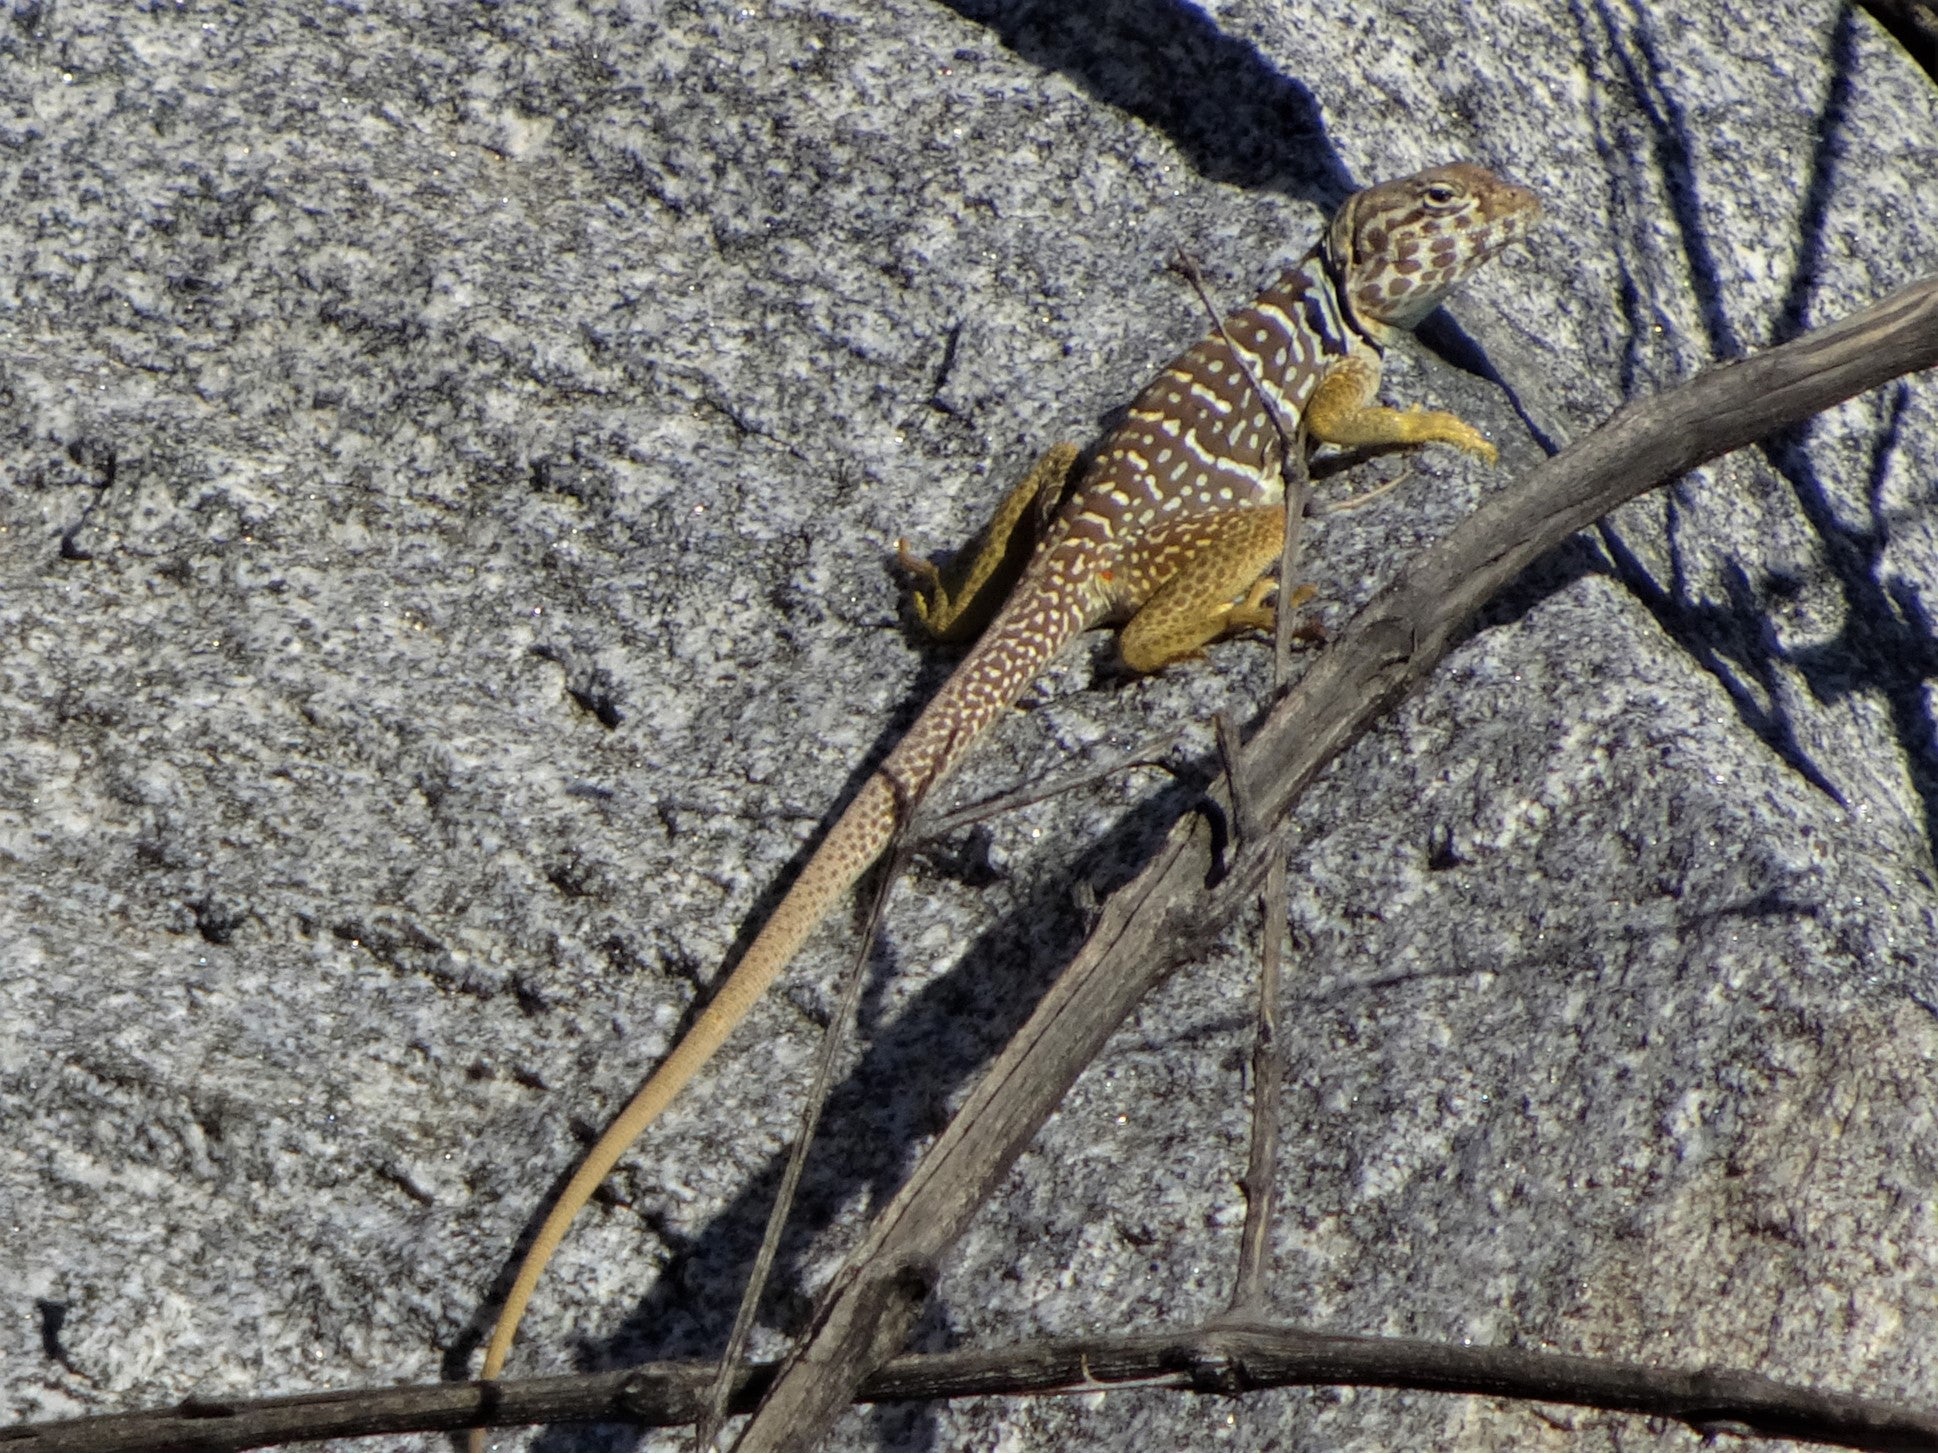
{"x": 1168, "y": 530}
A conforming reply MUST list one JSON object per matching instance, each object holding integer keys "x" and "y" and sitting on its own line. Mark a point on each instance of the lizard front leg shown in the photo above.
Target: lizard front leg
{"x": 1341, "y": 411}
{"x": 955, "y": 605}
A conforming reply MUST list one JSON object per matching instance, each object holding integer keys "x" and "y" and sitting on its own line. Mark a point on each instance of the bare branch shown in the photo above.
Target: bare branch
{"x": 1268, "y": 1080}
{"x": 1148, "y": 753}
{"x": 1179, "y": 903}
{"x": 1227, "y": 1358}
{"x": 720, "y": 1394}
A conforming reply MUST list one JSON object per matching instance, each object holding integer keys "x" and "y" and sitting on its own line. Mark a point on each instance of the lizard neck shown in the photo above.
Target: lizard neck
{"x": 1374, "y": 334}
{"x": 1311, "y": 324}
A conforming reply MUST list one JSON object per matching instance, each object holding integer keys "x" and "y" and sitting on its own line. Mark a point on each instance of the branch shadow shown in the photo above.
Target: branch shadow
{"x": 1887, "y": 645}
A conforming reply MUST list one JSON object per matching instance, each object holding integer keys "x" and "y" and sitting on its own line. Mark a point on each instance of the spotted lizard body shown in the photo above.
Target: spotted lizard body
{"x": 1169, "y": 529}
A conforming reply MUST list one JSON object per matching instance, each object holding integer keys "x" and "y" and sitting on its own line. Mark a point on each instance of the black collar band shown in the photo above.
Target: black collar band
{"x": 1349, "y": 315}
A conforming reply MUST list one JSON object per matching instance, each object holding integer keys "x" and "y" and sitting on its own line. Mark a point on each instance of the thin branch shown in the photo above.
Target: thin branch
{"x": 1225, "y": 736}
{"x": 1186, "y": 266}
{"x": 1248, "y": 1286}
{"x": 720, "y": 1395}
{"x": 1177, "y": 905}
{"x": 1298, "y": 500}
{"x": 1148, "y": 753}
{"x": 1268, "y": 1080}
{"x": 1226, "y": 1358}
{"x": 1365, "y": 497}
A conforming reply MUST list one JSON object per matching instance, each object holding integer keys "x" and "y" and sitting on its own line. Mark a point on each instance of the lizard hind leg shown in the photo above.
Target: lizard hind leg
{"x": 1216, "y": 588}
{"x": 956, "y": 604}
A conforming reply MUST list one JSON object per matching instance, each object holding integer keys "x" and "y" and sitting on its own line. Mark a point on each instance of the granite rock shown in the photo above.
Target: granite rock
{"x": 450, "y": 461}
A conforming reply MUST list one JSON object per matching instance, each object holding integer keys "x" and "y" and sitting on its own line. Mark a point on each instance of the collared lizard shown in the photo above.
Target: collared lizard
{"x": 1169, "y": 529}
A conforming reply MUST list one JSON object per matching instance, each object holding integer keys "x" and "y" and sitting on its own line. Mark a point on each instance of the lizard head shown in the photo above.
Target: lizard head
{"x": 1399, "y": 248}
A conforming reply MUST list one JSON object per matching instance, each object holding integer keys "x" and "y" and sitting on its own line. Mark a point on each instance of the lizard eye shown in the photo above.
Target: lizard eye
{"x": 1442, "y": 194}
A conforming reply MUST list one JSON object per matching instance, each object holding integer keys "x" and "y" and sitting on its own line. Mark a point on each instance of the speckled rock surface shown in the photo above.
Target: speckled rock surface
{"x": 449, "y": 463}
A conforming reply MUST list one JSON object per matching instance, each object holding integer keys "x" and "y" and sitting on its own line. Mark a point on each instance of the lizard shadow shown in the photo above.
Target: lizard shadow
{"x": 1233, "y": 114}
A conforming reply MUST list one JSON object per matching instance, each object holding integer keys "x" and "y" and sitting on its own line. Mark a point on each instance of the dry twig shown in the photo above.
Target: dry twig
{"x": 1229, "y": 1358}
{"x": 1268, "y": 1079}
{"x": 1180, "y": 902}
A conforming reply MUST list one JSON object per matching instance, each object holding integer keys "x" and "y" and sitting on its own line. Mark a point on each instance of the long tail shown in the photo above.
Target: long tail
{"x": 1043, "y": 615}
{"x": 857, "y": 839}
